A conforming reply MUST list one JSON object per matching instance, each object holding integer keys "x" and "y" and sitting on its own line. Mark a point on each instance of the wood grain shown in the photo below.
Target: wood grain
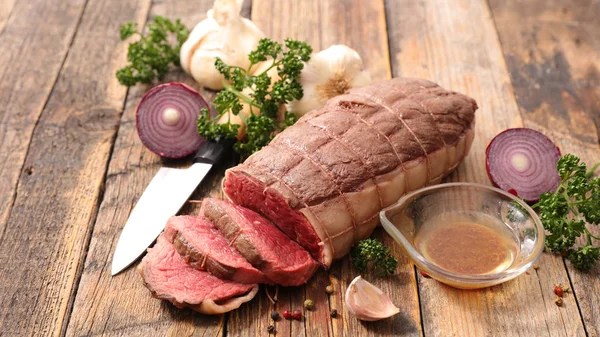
{"x": 33, "y": 52}
{"x": 553, "y": 55}
{"x": 6, "y": 8}
{"x": 47, "y": 232}
{"x": 455, "y": 44}
{"x": 121, "y": 305}
{"x": 553, "y": 62}
{"x": 274, "y": 18}
{"x": 360, "y": 25}
{"x": 72, "y": 166}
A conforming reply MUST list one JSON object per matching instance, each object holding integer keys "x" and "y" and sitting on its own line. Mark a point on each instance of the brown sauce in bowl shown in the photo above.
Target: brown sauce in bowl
{"x": 467, "y": 247}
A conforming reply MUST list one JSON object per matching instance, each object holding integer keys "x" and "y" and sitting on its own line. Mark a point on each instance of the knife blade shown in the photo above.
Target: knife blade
{"x": 163, "y": 198}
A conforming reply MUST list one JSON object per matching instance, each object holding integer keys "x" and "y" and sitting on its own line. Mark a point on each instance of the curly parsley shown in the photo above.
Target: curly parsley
{"x": 265, "y": 99}
{"x": 565, "y": 212}
{"x": 151, "y": 56}
{"x": 371, "y": 253}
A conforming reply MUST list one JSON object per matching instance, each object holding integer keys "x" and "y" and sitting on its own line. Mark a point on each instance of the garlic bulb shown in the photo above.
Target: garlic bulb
{"x": 224, "y": 34}
{"x": 329, "y": 73}
{"x": 367, "y": 302}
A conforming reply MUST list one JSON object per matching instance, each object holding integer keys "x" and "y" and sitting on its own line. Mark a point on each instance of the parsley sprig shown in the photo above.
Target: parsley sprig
{"x": 371, "y": 253}
{"x": 151, "y": 56}
{"x": 265, "y": 98}
{"x": 565, "y": 212}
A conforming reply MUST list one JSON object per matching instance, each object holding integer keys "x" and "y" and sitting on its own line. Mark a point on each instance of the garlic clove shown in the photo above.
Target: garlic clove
{"x": 262, "y": 66}
{"x": 367, "y": 302}
{"x": 246, "y": 109}
{"x": 308, "y": 102}
{"x": 361, "y": 79}
{"x": 329, "y": 73}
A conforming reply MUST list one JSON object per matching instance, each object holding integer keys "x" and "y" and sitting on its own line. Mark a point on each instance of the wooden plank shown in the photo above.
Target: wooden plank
{"x": 46, "y": 236}
{"x": 553, "y": 55}
{"x": 455, "y": 44}
{"x": 121, "y": 305}
{"x": 274, "y": 19}
{"x": 6, "y": 8}
{"x": 363, "y": 27}
{"x": 33, "y": 51}
{"x": 553, "y": 61}
{"x": 360, "y": 25}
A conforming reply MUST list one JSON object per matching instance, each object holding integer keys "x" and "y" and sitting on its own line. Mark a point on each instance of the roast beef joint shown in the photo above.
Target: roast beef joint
{"x": 323, "y": 180}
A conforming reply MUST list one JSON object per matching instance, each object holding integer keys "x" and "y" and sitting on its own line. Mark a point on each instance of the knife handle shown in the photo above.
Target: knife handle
{"x": 212, "y": 151}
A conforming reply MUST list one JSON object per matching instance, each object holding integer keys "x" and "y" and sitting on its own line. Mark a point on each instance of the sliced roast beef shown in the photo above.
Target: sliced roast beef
{"x": 169, "y": 277}
{"x": 205, "y": 248}
{"x": 323, "y": 180}
{"x": 282, "y": 260}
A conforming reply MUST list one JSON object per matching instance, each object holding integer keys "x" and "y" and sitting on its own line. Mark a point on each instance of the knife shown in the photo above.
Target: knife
{"x": 165, "y": 195}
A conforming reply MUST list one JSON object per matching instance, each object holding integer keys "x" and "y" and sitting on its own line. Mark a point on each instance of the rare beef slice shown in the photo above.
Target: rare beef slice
{"x": 281, "y": 260}
{"x": 205, "y": 248}
{"x": 169, "y": 277}
{"x": 324, "y": 180}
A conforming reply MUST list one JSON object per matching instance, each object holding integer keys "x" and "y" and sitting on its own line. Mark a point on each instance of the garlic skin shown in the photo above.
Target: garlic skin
{"x": 329, "y": 73}
{"x": 224, "y": 34}
{"x": 367, "y": 302}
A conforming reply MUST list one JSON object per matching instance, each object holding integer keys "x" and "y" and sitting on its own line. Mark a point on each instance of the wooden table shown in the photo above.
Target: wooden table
{"x": 72, "y": 165}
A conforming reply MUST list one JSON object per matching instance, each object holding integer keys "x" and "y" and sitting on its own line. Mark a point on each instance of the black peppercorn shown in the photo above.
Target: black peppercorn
{"x": 270, "y": 329}
{"x": 275, "y": 315}
{"x": 333, "y": 313}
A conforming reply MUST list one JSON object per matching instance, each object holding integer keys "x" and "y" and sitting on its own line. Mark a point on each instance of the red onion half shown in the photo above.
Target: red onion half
{"x": 524, "y": 161}
{"x": 166, "y": 120}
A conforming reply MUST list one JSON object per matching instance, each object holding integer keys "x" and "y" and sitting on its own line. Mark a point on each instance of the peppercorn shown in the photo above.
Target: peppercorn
{"x": 270, "y": 329}
{"x": 558, "y": 290}
{"x": 309, "y": 305}
{"x": 287, "y": 314}
{"x": 275, "y": 316}
{"x": 333, "y": 313}
{"x": 558, "y": 301}
{"x": 329, "y": 289}
{"x": 297, "y": 314}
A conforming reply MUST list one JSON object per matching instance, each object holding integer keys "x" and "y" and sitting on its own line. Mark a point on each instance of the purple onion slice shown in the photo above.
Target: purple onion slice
{"x": 166, "y": 120}
{"x": 524, "y": 161}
